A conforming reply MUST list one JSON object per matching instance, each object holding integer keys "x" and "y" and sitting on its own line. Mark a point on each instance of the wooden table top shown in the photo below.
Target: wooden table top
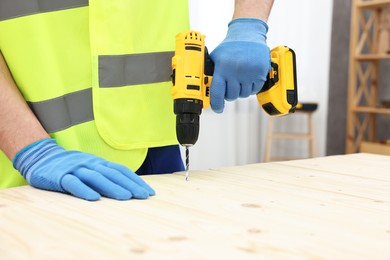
{"x": 335, "y": 207}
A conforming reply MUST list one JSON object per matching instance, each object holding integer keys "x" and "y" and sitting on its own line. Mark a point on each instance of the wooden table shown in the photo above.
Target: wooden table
{"x": 334, "y": 207}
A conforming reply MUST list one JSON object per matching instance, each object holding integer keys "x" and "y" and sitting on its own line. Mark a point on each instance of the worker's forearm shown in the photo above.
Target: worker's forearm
{"x": 252, "y": 9}
{"x": 18, "y": 125}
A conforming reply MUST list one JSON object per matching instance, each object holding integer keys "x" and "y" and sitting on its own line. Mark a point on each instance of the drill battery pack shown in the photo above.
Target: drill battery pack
{"x": 279, "y": 95}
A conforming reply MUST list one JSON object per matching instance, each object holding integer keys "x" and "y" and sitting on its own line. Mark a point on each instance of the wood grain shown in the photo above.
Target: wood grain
{"x": 334, "y": 207}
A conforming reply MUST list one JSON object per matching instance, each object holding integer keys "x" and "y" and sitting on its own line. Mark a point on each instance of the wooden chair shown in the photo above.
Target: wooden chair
{"x": 305, "y": 108}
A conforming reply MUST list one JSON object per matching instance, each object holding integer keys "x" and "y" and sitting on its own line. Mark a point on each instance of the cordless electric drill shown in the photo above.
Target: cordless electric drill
{"x": 192, "y": 71}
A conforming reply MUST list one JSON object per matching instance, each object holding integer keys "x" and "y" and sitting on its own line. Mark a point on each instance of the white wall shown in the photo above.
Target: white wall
{"x": 237, "y": 136}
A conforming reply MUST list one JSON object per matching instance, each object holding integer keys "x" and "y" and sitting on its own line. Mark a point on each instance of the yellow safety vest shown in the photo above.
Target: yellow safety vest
{"x": 96, "y": 73}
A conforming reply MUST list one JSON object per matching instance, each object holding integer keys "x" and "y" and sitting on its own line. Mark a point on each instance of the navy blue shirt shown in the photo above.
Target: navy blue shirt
{"x": 165, "y": 159}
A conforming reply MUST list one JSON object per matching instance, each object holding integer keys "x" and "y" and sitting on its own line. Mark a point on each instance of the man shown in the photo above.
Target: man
{"x": 88, "y": 141}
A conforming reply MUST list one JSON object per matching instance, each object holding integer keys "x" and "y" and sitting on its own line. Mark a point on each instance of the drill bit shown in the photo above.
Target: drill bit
{"x": 187, "y": 163}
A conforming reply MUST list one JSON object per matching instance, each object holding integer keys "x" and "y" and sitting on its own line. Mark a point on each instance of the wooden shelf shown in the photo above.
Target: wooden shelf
{"x": 368, "y": 46}
{"x": 373, "y": 4}
{"x": 376, "y": 148}
{"x": 366, "y": 109}
{"x": 369, "y": 57}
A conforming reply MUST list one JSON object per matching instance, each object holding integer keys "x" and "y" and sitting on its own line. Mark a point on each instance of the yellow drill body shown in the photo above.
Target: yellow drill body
{"x": 188, "y": 64}
{"x": 279, "y": 95}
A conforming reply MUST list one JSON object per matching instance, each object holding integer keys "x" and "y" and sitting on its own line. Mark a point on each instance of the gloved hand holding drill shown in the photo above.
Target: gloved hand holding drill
{"x": 239, "y": 72}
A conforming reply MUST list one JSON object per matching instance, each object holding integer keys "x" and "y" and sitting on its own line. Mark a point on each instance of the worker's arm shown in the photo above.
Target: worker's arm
{"x": 18, "y": 125}
{"x": 48, "y": 166}
{"x": 242, "y": 60}
{"x": 252, "y": 9}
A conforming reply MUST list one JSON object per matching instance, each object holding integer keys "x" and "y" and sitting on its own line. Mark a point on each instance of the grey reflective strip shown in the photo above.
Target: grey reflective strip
{"x": 63, "y": 112}
{"x": 134, "y": 69}
{"x": 16, "y": 8}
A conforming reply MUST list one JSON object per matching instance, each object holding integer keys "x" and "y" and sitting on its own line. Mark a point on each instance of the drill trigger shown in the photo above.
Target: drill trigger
{"x": 272, "y": 77}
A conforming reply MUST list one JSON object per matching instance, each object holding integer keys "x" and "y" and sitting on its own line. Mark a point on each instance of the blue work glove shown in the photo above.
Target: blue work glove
{"x": 47, "y": 166}
{"x": 242, "y": 62}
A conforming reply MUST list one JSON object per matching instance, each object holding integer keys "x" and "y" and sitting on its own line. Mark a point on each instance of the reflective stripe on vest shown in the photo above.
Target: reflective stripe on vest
{"x": 114, "y": 71}
{"x": 17, "y": 8}
{"x": 134, "y": 69}
{"x": 63, "y": 112}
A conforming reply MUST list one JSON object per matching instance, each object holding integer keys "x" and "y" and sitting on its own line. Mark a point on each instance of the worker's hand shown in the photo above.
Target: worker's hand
{"x": 47, "y": 166}
{"x": 242, "y": 62}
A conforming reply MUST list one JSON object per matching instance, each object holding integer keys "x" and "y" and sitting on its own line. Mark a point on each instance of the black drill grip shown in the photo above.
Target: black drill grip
{"x": 187, "y": 120}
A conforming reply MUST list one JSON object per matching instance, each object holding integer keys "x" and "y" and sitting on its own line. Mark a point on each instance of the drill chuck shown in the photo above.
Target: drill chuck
{"x": 187, "y": 120}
